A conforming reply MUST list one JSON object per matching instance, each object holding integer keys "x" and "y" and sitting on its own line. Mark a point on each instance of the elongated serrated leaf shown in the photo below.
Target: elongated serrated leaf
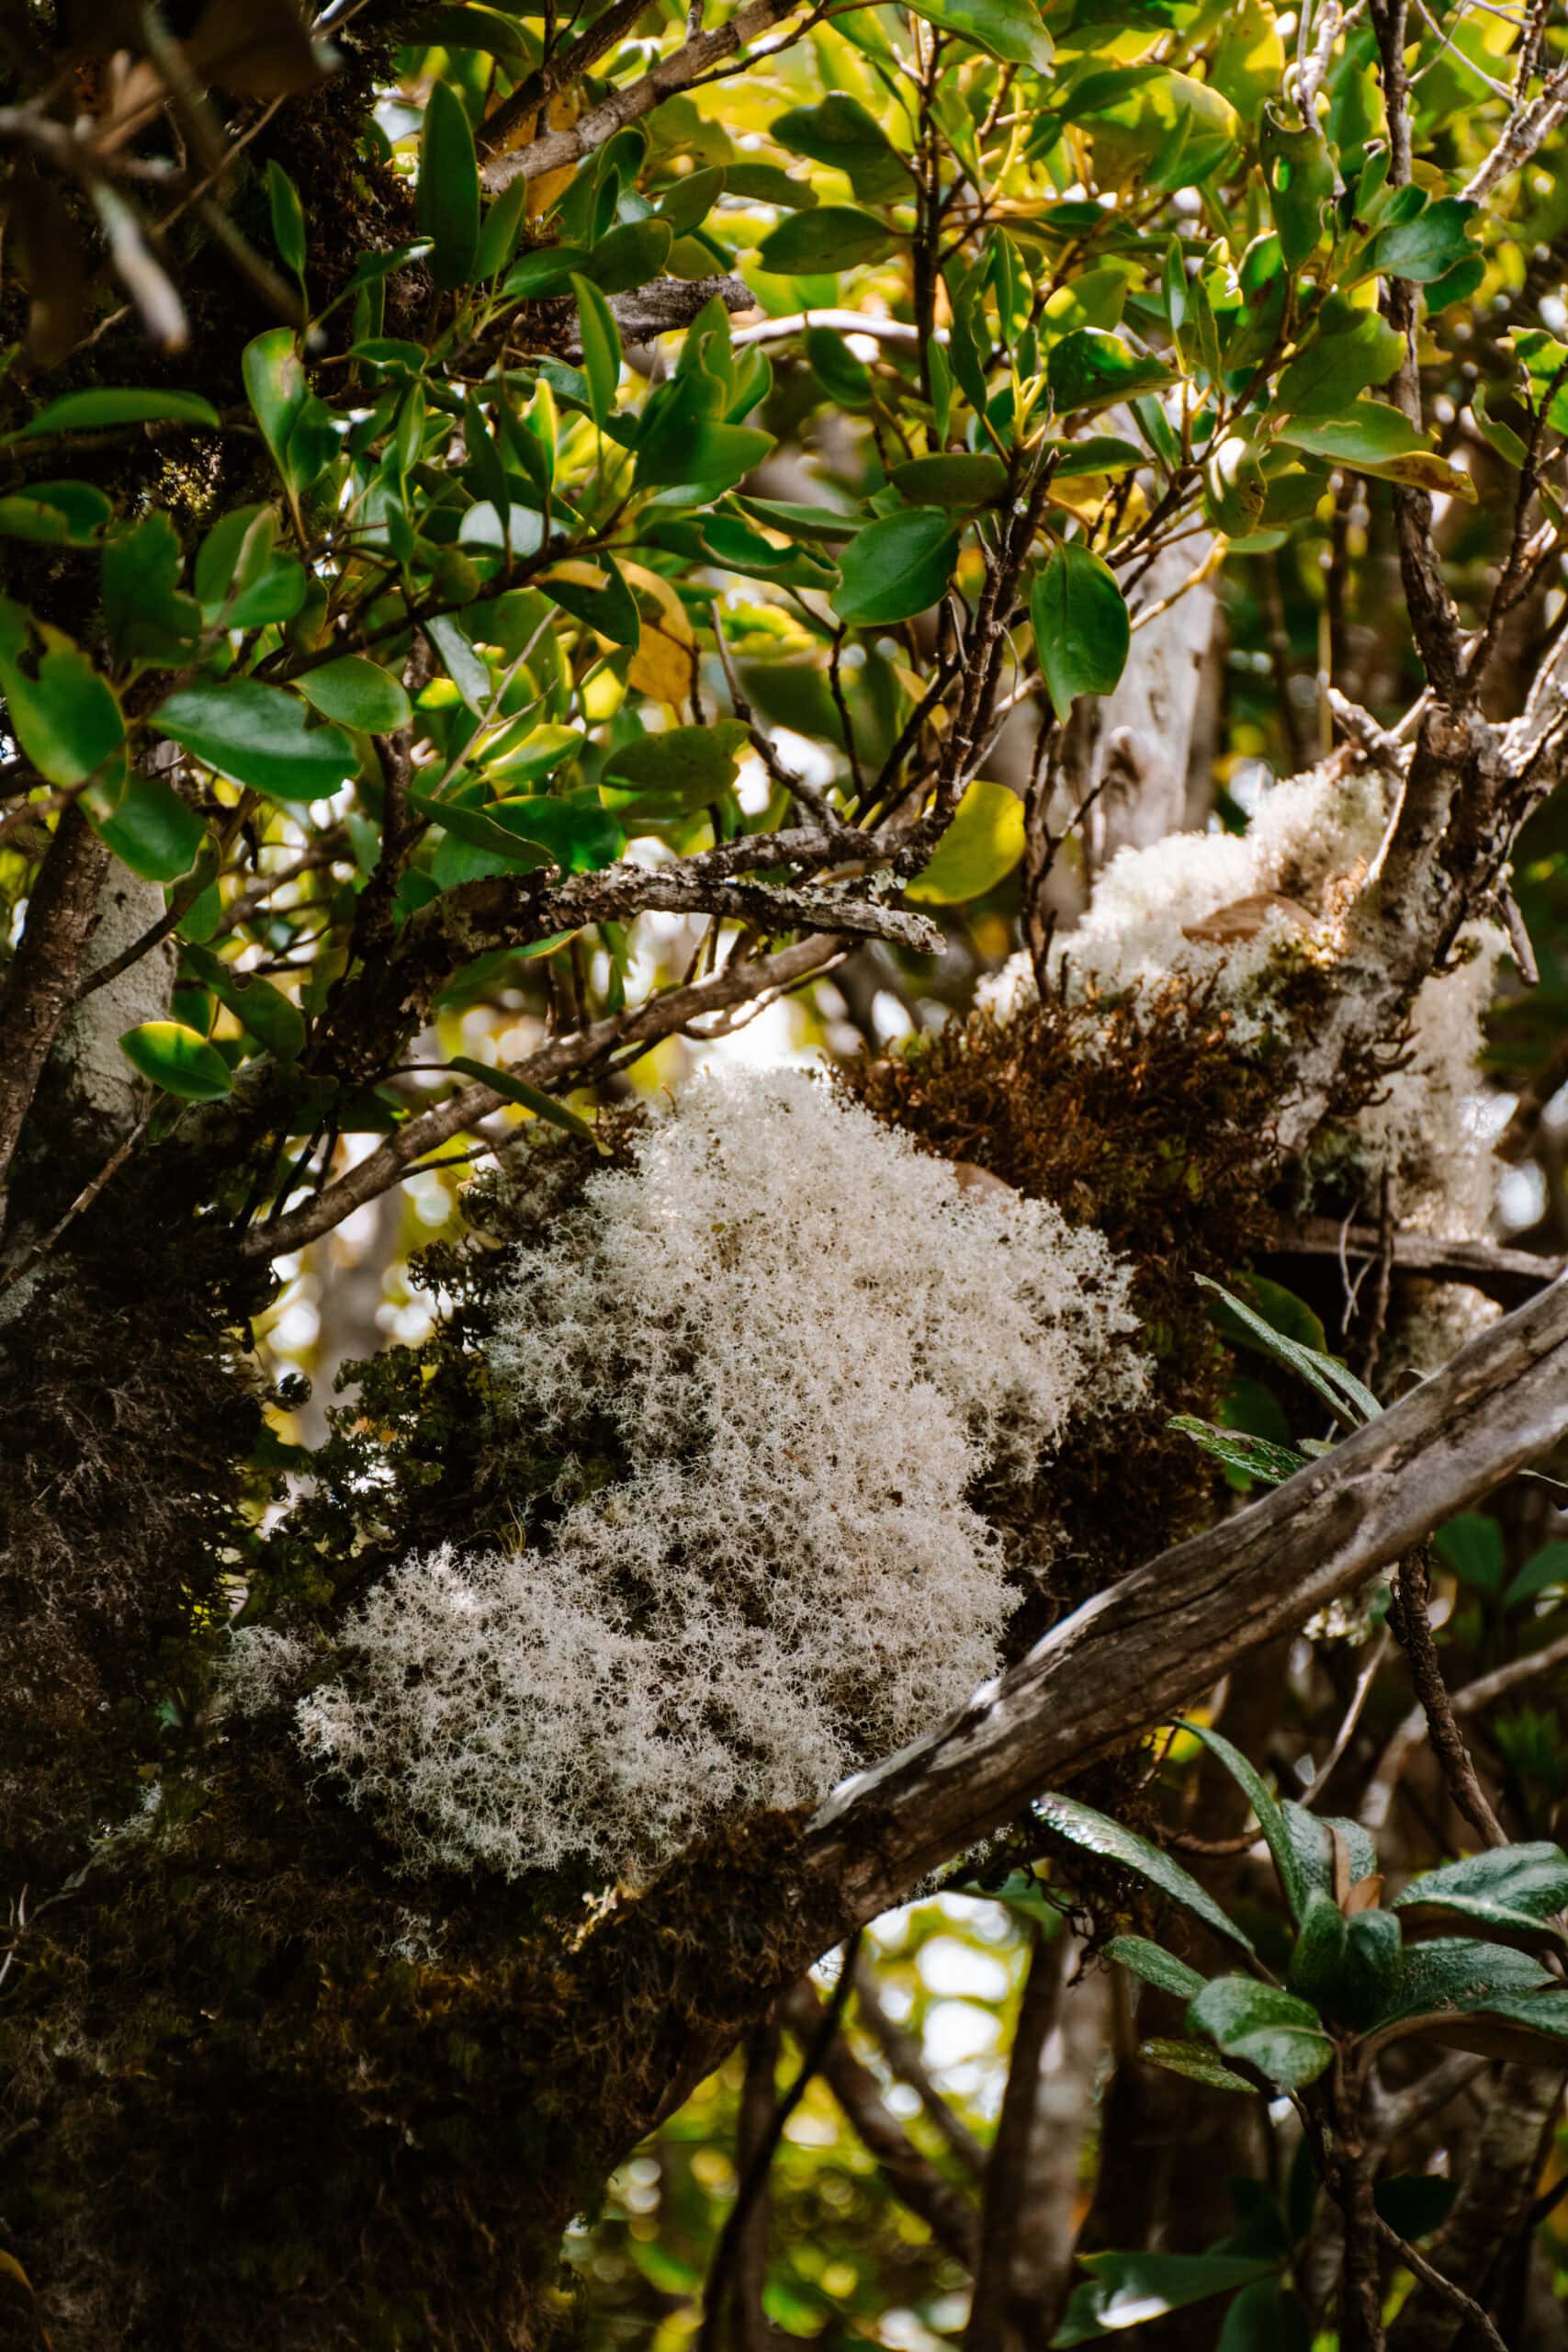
{"x": 1097, "y": 1834}
{"x": 1333, "y": 1381}
{"x": 1258, "y": 1457}
{"x": 1155, "y": 1965}
{"x": 530, "y": 1098}
{"x": 1271, "y": 1819}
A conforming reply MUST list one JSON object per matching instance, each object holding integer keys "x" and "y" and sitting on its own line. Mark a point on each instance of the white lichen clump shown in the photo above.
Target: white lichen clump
{"x": 1259, "y": 902}
{"x": 1307, "y": 836}
{"x": 810, "y": 1342}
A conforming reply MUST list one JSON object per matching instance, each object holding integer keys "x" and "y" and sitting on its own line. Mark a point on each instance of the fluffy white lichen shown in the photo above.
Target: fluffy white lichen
{"x": 810, "y": 1342}
{"x": 1236, "y": 914}
{"x": 1309, "y": 841}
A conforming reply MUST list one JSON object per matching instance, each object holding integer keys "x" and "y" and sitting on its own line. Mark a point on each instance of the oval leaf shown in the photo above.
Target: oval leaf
{"x": 897, "y": 567}
{"x": 258, "y": 735}
{"x": 358, "y": 693}
{"x": 177, "y": 1059}
{"x": 1081, "y": 629}
{"x": 983, "y": 843}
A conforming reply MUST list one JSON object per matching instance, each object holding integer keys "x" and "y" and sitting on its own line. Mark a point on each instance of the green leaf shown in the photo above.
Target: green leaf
{"x": 1091, "y": 369}
{"x": 288, "y": 217}
{"x": 1122, "y": 2290}
{"x": 957, "y": 480}
{"x": 1542, "y": 1572}
{"x": 820, "y": 244}
{"x": 499, "y": 230}
{"x": 575, "y": 828}
{"x": 65, "y": 716}
{"x": 1471, "y": 1546}
{"x": 1272, "y": 1821}
{"x": 448, "y": 193}
{"x": 1155, "y": 1965}
{"x": 1265, "y": 2317}
{"x": 1082, "y": 631}
{"x": 897, "y": 567}
{"x": 601, "y": 350}
{"x": 482, "y": 28}
{"x": 1312, "y": 1837}
{"x": 1414, "y": 2203}
{"x": 358, "y": 693}
{"x": 1513, "y": 1889}
{"x": 1351, "y": 351}
{"x": 297, "y": 427}
{"x": 1253, "y": 1457}
{"x": 1373, "y": 1954}
{"x": 94, "y": 411}
{"x": 177, "y": 1059}
{"x": 1272, "y": 2030}
{"x": 545, "y": 270}
{"x": 1338, "y": 1387}
{"x": 1298, "y": 173}
{"x": 668, "y": 776}
{"x": 840, "y": 133}
{"x": 1198, "y": 2060}
{"x": 1424, "y": 248}
{"x": 266, "y": 1011}
{"x": 982, "y": 844}
{"x": 544, "y": 1106}
{"x": 1008, "y": 29}
{"x": 1373, "y": 438}
{"x": 150, "y": 830}
{"x": 462, "y": 665}
{"x": 147, "y": 617}
{"x": 629, "y": 255}
{"x": 594, "y": 591}
{"x": 846, "y": 380}
{"x": 56, "y": 513}
{"x": 258, "y": 736}
{"x": 1319, "y": 1957}
{"x": 1097, "y": 1834}
{"x": 1456, "y": 1973}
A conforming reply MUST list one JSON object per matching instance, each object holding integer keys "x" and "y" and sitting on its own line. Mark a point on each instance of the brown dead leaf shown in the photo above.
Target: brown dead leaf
{"x": 1244, "y": 918}
{"x": 258, "y": 48}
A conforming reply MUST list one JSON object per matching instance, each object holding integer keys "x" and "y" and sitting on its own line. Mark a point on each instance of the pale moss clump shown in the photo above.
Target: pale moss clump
{"x": 810, "y": 1343}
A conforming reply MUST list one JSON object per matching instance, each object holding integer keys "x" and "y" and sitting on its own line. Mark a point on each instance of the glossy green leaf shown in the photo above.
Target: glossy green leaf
{"x": 840, "y": 133}
{"x": 1081, "y": 629}
{"x": 530, "y": 1098}
{"x": 1097, "y": 1834}
{"x": 1374, "y": 1947}
{"x": 818, "y": 243}
{"x": 449, "y": 196}
{"x": 486, "y": 30}
{"x": 1298, "y": 173}
{"x": 147, "y": 616}
{"x": 1322, "y": 1844}
{"x": 1425, "y": 248}
{"x": 270, "y": 1016}
{"x": 1155, "y": 1965}
{"x": 1091, "y": 369}
{"x": 1350, "y": 352}
{"x": 63, "y": 712}
{"x": 288, "y": 216}
{"x": 1253, "y": 1457}
{"x": 897, "y": 567}
{"x": 1332, "y": 1380}
{"x": 1512, "y": 1890}
{"x": 97, "y": 411}
{"x": 149, "y": 828}
{"x": 578, "y": 830}
{"x": 1373, "y": 438}
{"x": 955, "y": 480}
{"x": 358, "y": 693}
{"x": 1471, "y": 1546}
{"x": 297, "y": 427}
{"x": 1318, "y": 1960}
{"x": 1293, "y": 1877}
{"x": 629, "y": 255}
{"x": 1010, "y": 30}
{"x": 56, "y": 513}
{"x": 1544, "y": 1571}
{"x": 1122, "y": 2290}
{"x": 1265, "y": 2317}
{"x": 490, "y": 834}
{"x": 1459, "y": 1974}
{"x": 258, "y": 736}
{"x": 178, "y": 1060}
{"x": 1281, "y": 2036}
{"x": 982, "y": 845}
{"x": 601, "y": 348}
{"x": 1199, "y": 2061}
{"x": 684, "y": 769}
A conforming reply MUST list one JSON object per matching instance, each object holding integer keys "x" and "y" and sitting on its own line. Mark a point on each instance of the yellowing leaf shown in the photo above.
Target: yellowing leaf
{"x": 984, "y": 843}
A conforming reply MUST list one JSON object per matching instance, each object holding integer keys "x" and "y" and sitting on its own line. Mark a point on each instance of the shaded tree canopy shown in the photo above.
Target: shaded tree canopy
{"x": 561, "y": 567}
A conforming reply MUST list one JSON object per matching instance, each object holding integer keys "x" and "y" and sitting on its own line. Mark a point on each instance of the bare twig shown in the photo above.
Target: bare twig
{"x": 1474, "y": 2317}
{"x": 1413, "y": 1627}
{"x": 1378, "y": 1799}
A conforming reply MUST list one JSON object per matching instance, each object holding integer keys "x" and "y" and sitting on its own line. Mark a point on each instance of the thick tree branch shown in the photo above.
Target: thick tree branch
{"x": 46, "y": 970}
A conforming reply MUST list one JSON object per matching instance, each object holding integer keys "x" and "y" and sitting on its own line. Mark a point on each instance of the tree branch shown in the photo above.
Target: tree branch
{"x": 46, "y": 969}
